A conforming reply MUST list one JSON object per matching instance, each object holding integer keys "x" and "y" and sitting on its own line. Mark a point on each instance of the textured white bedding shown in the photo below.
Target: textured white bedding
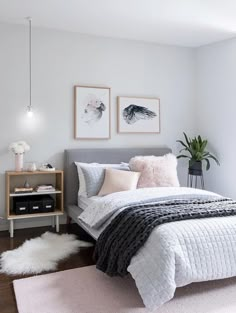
{"x": 84, "y": 202}
{"x": 176, "y": 253}
{"x": 74, "y": 212}
{"x": 102, "y": 208}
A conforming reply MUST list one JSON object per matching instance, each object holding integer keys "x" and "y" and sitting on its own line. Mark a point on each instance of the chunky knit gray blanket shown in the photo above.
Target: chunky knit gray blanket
{"x": 130, "y": 229}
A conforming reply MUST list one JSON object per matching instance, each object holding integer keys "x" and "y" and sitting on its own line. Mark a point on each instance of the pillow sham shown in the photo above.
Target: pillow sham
{"x": 118, "y": 180}
{"x": 82, "y": 184}
{"x": 156, "y": 171}
{"x": 92, "y": 176}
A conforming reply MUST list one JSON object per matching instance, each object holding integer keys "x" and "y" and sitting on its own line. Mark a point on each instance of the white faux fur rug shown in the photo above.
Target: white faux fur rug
{"x": 40, "y": 254}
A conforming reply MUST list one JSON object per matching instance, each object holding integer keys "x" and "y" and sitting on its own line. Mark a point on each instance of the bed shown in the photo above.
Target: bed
{"x": 175, "y": 254}
{"x": 114, "y": 155}
{"x": 100, "y": 156}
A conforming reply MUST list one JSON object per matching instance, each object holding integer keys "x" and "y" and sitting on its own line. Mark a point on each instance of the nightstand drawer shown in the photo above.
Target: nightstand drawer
{"x": 21, "y": 206}
{"x": 48, "y": 204}
{"x": 35, "y": 205}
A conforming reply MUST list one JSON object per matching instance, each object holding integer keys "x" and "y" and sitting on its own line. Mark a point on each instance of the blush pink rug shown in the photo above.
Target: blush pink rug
{"x": 86, "y": 290}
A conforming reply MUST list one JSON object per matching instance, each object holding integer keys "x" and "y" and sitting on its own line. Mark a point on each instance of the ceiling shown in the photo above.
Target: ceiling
{"x": 190, "y": 23}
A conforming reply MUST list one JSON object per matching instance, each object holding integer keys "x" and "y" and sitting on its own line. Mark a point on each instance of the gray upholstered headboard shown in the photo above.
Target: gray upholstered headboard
{"x": 115, "y": 155}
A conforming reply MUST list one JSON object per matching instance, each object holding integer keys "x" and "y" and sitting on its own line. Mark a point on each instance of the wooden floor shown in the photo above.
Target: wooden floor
{"x": 82, "y": 258}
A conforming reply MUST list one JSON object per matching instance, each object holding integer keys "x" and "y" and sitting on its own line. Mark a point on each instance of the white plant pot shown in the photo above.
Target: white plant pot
{"x": 19, "y": 160}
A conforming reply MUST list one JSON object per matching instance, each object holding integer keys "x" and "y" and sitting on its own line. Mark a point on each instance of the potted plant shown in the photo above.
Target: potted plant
{"x": 196, "y": 148}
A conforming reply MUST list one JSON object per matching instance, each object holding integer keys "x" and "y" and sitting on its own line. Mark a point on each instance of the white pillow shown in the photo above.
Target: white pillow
{"x": 118, "y": 180}
{"x": 91, "y": 176}
{"x": 82, "y": 184}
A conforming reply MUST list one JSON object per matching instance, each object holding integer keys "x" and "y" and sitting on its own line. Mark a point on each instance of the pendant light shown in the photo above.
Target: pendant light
{"x": 29, "y": 107}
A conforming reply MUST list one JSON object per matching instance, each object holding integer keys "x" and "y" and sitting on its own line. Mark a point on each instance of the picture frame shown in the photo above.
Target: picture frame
{"x": 138, "y": 115}
{"x": 92, "y": 112}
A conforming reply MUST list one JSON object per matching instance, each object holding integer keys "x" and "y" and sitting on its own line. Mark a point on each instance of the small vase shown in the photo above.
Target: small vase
{"x": 19, "y": 162}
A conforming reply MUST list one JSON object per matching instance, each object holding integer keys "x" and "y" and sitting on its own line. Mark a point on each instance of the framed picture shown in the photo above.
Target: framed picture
{"x": 138, "y": 115}
{"x": 91, "y": 112}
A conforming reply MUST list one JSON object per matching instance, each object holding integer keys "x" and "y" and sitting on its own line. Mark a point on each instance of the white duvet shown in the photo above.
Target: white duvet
{"x": 175, "y": 253}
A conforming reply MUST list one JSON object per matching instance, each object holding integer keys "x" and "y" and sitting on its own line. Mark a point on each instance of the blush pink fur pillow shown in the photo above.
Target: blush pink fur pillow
{"x": 156, "y": 171}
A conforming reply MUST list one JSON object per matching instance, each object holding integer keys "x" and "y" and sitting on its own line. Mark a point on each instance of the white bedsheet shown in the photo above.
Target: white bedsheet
{"x": 176, "y": 253}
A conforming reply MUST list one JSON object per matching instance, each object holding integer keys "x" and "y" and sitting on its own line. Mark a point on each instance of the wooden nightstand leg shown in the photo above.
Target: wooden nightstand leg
{"x": 57, "y": 223}
{"x": 11, "y": 228}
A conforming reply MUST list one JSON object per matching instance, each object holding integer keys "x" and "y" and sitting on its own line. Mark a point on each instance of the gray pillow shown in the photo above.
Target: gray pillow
{"x": 94, "y": 176}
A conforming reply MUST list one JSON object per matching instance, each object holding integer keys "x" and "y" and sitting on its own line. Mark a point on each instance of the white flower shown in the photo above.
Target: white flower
{"x": 19, "y": 147}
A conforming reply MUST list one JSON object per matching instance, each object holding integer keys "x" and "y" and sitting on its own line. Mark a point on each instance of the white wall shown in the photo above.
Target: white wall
{"x": 216, "y": 110}
{"x": 62, "y": 59}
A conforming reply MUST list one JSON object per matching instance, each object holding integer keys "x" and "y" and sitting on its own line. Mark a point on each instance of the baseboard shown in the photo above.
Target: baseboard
{"x": 30, "y": 223}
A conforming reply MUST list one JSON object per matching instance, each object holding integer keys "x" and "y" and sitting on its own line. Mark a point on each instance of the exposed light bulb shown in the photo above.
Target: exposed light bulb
{"x": 30, "y": 112}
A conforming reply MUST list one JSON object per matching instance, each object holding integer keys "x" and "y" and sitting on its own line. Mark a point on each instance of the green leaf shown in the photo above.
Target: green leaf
{"x": 204, "y": 144}
{"x": 206, "y": 154}
{"x": 199, "y": 140}
{"x": 182, "y": 143}
{"x": 186, "y": 149}
{"x": 198, "y": 145}
{"x": 182, "y": 156}
{"x": 187, "y": 140}
{"x": 199, "y": 156}
{"x": 208, "y": 164}
{"x": 210, "y": 156}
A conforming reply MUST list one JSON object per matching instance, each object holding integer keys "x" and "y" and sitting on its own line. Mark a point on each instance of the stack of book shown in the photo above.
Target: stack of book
{"x": 45, "y": 188}
{"x": 23, "y": 189}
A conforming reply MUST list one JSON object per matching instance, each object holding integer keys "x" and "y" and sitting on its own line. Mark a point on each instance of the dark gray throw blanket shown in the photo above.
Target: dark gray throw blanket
{"x": 130, "y": 229}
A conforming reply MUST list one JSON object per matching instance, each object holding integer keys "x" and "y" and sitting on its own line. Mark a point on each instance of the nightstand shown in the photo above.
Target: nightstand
{"x": 17, "y": 179}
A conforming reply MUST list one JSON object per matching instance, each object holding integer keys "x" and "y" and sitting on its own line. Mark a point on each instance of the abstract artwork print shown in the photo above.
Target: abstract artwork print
{"x": 138, "y": 115}
{"x": 92, "y": 112}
